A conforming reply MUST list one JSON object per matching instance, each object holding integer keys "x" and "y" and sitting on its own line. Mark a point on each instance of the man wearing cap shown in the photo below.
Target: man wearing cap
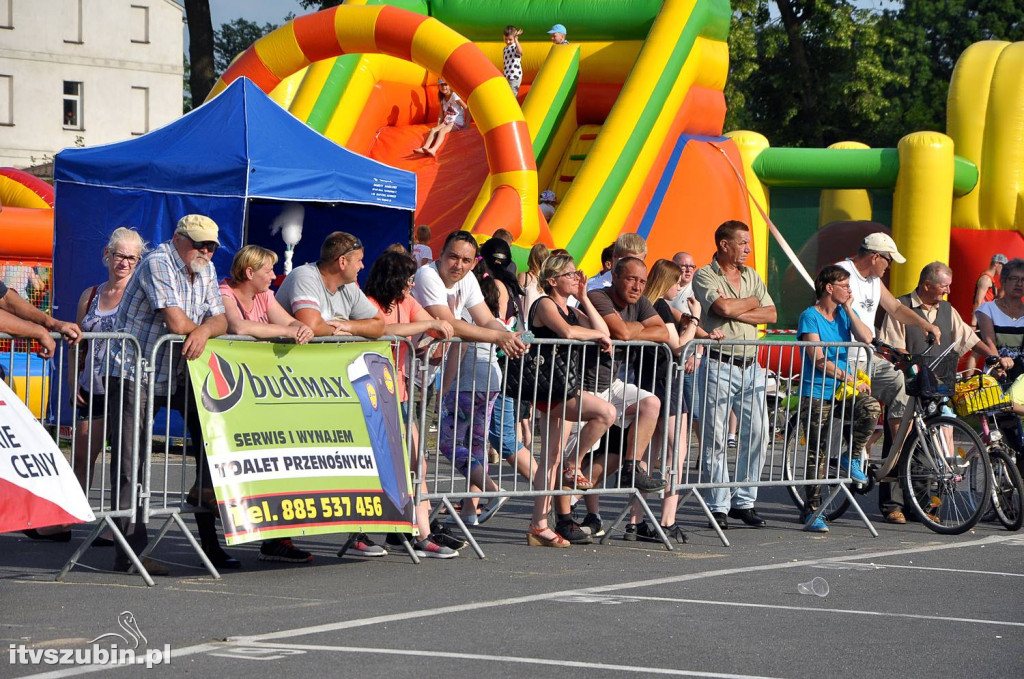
{"x": 986, "y": 288}
{"x": 557, "y": 34}
{"x": 174, "y": 291}
{"x": 325, "y": 296}
{"x": 876, "y": 253}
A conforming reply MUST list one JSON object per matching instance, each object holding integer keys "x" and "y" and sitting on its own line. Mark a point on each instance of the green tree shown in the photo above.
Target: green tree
{"x": 317, "y": 5}
{"x": 928, "y": 38}
{"x": 234, "y": 37}
{"x": 809, "y": 72}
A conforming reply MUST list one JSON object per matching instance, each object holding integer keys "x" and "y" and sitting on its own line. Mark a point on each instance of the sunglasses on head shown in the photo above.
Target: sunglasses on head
{"x": 357, "y": 245}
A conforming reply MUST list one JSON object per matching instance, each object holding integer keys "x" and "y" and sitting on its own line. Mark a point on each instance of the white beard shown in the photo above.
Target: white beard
{"x": 199, "y": 264}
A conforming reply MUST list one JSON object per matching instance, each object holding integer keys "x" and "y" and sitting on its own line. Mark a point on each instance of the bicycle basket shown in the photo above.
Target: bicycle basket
{"x": 979, "y": 393}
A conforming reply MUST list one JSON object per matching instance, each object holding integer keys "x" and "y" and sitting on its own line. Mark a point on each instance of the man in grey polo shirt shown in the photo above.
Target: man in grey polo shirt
{"x": 325, "y": 296}
{"x": 734, "y": 300}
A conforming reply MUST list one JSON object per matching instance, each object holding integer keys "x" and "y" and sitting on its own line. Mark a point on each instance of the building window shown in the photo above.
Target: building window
{"x": 6, "y": 14}
{"x": 6, "y": 100}
{"x": 73, "y": 22}
{"x": 140, "y": 24}
{"x": 72, "y": 105}
{"x": 140, "y": 110}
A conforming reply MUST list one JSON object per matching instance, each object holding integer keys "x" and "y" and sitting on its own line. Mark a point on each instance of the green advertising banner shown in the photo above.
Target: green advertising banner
{"x": 303, "y": 440}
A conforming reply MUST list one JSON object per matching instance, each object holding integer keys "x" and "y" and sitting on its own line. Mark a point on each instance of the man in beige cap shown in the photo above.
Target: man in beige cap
{"x": 876, "y": 253}
{"x": 174, "y": 290}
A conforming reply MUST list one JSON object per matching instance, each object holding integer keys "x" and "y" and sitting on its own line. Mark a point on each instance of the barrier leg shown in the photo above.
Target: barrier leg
{"x": 465, "y": 531}
{"x": 616, "y": 522}
{"x": 853, "y": 502}
{"x": 409, "y": 550}
{"x": 175, "y": 518}
{"x": 106, "y": 522}
{"x": 707, "y": 513}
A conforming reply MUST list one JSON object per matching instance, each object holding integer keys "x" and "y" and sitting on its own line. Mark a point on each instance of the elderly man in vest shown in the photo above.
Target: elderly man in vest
{"x": 928, "y": 302}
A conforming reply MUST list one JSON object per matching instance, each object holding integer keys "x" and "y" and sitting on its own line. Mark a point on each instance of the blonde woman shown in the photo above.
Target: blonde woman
{"x": 554, "y": 318}
{"x": 97, "y": 312}
{"x": 251, "y": 310}
{"x": 663, "y": 284}
{"x": 528, "y": 279}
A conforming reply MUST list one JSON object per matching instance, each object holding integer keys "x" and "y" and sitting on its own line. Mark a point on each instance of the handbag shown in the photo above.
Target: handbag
{"x": 546, "y": 373}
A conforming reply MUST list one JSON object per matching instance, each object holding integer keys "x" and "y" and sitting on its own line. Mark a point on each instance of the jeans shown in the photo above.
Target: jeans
{"x": 721, "y": 387}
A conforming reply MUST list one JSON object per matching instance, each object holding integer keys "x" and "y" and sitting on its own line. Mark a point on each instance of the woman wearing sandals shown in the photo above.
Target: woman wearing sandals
{"x": 551, "y": 317}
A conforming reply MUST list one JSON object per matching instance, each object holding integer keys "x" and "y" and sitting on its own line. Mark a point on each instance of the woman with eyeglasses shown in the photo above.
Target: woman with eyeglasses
{"x": 389, "y": 287}
{"x": 452, "y": 117}
{"x": 552, "y": 317}
{"x": 1001, "y": 321}
{"x": 97, "y": 312}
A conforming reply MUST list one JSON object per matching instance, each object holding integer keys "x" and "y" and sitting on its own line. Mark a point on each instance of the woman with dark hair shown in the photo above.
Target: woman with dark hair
{"x": 389, "y": 286}
{"x": 506, "y": 434}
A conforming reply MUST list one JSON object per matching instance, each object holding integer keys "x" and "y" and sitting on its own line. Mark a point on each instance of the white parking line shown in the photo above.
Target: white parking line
{"x": 880, "y": 566}
{"x": 633, "y": 669}
{"x": 462, "y": 608}
{"x": 812, "y": 609}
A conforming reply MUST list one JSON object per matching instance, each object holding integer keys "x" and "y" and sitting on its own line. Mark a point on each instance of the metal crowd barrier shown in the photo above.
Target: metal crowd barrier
{"x": 731, "y": 377}
{"x": 50, "y": 388}
{"x": 454, "y": 404}
{"x": 467, "y": 403}
{"x": 169, "y": 474}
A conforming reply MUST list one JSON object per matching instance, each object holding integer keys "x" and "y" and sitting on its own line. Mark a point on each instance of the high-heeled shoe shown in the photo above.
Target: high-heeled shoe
{"x": 535, "y": 539}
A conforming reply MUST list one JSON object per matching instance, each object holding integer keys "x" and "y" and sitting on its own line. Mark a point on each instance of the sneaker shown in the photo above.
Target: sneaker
{"x": 492, "y": 507}
{"x": 283, "y": 550}
{"x": 593, "y": 524}
{"x": 362, "y": 544}
{"x": 393, "y": 540}
{"x": 641, "y": 480}
{"x": 428, "y": 548}
{"x": 443, "y": 536}
{"x": 573, "y": 532}
{"x": 473, "y": 520}
{"x": 855, "y": 469}
{"x": 731, "y": 442}
{"x": 817, "y": 526}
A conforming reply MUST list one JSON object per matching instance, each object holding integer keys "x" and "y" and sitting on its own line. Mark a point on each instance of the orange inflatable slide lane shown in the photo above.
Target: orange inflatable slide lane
{"x": 26, "y": 221}
{"x": 446, "y": 184}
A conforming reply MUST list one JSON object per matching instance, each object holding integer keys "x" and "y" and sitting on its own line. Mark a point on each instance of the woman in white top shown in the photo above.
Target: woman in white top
{"x": 452, "y": 117}
{"x": 1001, "y": 321}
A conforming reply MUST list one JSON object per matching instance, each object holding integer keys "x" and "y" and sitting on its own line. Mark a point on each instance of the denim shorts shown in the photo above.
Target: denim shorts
{"x": 502, "y": 433}
{"x": 98, "y": 403}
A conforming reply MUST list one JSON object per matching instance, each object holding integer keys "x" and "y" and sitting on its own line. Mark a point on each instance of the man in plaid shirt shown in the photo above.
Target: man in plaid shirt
{"x": 174, "y": 291}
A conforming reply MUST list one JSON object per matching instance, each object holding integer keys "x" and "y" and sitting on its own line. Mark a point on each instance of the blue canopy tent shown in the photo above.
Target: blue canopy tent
{"x": 240, "y": 159}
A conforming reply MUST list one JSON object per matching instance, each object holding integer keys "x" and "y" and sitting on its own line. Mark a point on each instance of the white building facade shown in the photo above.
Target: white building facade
{"x": 85, "y": 72}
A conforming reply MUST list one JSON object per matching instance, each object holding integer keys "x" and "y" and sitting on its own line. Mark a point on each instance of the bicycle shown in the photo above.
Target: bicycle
{"x": 984, "y": 396}
{"x": 940, "y": 461}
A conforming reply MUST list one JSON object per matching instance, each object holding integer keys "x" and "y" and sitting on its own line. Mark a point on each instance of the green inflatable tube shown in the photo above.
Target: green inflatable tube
{"x": 845, "y": 169}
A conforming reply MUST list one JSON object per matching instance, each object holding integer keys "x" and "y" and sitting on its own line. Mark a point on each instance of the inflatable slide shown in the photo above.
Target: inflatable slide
{"x": 624, "y": 123}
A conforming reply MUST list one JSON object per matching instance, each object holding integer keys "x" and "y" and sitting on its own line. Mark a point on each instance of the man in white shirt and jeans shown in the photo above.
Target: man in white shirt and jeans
{"x": 876, "y": 253}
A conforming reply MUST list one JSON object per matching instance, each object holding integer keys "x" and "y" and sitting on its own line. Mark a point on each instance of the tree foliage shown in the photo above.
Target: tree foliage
{"x": 813, "y": 72}
{"x": 234, "y": 37}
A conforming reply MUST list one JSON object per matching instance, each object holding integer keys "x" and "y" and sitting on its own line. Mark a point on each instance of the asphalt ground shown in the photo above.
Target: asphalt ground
{"x": 908, "y": 603}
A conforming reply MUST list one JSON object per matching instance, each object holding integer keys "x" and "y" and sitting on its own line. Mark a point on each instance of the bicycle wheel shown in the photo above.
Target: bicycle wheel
{"x": 1007, "y": 488}
{"x": 946, "y": 477}
{"x": 795, "y": 468}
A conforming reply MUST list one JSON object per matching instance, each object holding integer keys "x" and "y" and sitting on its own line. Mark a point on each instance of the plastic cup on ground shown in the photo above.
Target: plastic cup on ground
{"x": 817, "y": 587}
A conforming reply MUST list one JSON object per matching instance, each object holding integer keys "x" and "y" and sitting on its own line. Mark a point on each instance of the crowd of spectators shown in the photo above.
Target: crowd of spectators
{"x": 475, "y": 293}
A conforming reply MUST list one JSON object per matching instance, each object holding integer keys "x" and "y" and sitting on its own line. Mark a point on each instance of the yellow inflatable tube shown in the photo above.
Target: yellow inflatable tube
{"x": 841, "y": 205}
{"x": 966, "y": 112}
{"x": 921, "y": 206}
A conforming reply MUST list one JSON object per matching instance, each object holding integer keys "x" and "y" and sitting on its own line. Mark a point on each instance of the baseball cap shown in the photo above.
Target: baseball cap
{"x": 882, "y": 242}
{"x": 1000, "y": 259}
{"x": 558, "y": 28}
{"x": 199, "y": 228}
